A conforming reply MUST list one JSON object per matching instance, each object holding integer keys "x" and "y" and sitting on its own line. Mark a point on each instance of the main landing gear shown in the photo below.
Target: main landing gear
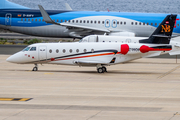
{"x": 35, "y": 68}
{"x": 101, "y": 69}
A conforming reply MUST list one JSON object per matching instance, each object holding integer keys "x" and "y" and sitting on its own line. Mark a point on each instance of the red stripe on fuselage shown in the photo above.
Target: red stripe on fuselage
{"x": 86, "y": 56}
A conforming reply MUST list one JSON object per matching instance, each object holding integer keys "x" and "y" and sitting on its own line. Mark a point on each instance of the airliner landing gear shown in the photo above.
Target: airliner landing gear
{"x": 101, "y": 69}
{"x": 35, "y": 68}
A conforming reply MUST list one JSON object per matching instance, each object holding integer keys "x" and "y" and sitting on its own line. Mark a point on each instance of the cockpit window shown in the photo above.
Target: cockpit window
{"x": 26, "y": 49}
{"x": 33, "y": 49}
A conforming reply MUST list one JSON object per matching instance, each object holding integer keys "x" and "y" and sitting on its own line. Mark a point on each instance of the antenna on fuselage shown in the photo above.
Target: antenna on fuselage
{"x": 68, "y": 6}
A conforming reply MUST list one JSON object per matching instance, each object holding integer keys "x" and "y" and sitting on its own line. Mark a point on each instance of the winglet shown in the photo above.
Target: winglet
{"x": 45, "y": 15}
{"x": 67, "y": 6}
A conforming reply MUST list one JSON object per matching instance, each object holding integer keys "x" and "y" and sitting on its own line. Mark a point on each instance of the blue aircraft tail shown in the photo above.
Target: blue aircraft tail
{"x": 4, "y": 4}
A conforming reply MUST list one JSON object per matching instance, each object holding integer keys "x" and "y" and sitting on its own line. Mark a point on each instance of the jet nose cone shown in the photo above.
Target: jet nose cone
{"x": 16, "y": 58}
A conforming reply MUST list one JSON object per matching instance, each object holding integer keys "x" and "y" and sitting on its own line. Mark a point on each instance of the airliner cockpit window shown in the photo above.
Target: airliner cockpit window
{"x": 33, "y": 49}
{"x": 26, "y": 49}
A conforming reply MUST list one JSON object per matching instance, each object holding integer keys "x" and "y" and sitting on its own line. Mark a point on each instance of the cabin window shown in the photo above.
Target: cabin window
{"x": 92, "y": 50}
{"x": 57, "y": 51}
{"x": 178, "y": 25}
{"x": 132, "y": 23}
{"x": 70, "y": 50}
{"x": 80, "y": 21}
{"x": 26, "y": 49}
{"x": 159, "y": 23}
{"x": 57, "y": 20}
{"x": 114, "y": 22}
{"x": 88, "y": 21}
{"x": 103, "y": 41}
{"x": 25, "y": 19}
{"x": 144, "y": 23}
{"x": 64, "y": 50}
{"x": 32, "y": 20}
{"x": 73, "y": 21}
{"x": 121, "y": 23}
{"x": 76, "y": 21}
{"x": 54, "y": 20}
{"x": 85, "y": 50}
{"x": 77, "y": 50}
{"x": 61, "y": 20}
{"x": 140, "y": 23}
{"x": 118, "y": 22}
{"x": 102, "y": 22}
{"x": 43, "y": 20}
{"x": 95, "y": 22}
{"x": 69, "y": 21}
{"x": 65, "y": 20}
{"x": 124, "y": 23}
{"x": 36, "y": 20}
{"x": 135, "y": 23}
{"x": 29, "y": 20}
{"x": 107, "y": 22}
{"x": 91, "y": 21}
{"x": 33, "y": 49}
{"x": 147, "y": 23}
{"x": 39, "y": 20}
{"x": 21, "y": 19}
{"x": 155, "y": 24}
{"x": 50, "y": 51}
{"x": 151, "y": 23}
{"x": 84, "y": 21}
{"x": 99, "y": 22}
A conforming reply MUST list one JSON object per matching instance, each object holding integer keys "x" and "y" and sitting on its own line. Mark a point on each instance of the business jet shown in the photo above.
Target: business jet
{"x": 98, "y": 54}
{"x": 78, "y": 24}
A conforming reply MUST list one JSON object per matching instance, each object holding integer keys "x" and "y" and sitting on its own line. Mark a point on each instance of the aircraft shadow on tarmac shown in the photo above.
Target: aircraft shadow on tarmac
{"x": 90, "y": 72}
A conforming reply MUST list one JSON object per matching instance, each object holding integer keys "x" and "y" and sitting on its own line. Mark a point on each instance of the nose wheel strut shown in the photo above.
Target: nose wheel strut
{"x": 35, "y": 68}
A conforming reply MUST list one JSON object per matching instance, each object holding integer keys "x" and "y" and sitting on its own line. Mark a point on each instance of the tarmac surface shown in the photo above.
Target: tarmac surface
{"x": 144, "y": 89}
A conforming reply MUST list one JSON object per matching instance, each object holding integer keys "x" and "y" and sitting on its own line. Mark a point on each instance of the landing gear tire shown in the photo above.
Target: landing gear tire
{"x": 104, "y": 69}
{"x": 35, "y": 69}
{"x": 100, "y": 70}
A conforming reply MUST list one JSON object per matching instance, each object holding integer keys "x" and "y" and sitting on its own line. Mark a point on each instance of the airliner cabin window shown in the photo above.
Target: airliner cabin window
{"x": 69, "y": 21}
{"x": 32, "y": 20}
{"x": 88, "y": 21}
{"x": 57, "y": 51}
{"x": 77, "y": 50}
{"x": 64, "y": 50}
{"x": 26, "y": 49}
{"x": 73, "y": 21}
{"x": 61, "y": 20}
{"x": 95, "y": 22}
{"x": 33, "y": 49}
{"x": 155, "y": 24}
{"x": 132, "y": 23}
{"x": 57, "y": 20}
{"x": 178, "y": 25}
{"x": 135, "y": 23}
{"x": 65, "y": 20}
{"x": 50, "y": 51}
{"x": 21, "y": 19}
{"x": 39, "y": 20}
{"x": 84, "y": 21}
{"x": 36, "y": 20}
{"x": 43, "y": 20}
{"x": 121, "y": 23}
{"x": 125, "y": 23}
{"x": 80, "y": 21}
{"x": 99, "y": 22}
{"x": 85, "y": 50}
{"x": 92, "y": 50}
{"x": 91, "y": 21}
{"x": 140, "y": 23}
{"x": 147, "y": 23}
{"x": 151, "y": 23}
{"x": 28, "y": 19}
{"x": 118, "y": 22}
{"x": 102, "y": 22}
{"x": 144, "y": 23}
{"x": 54, "y": 20}
{"x": 76, "y": 21}
{"x": 107, "y": 22}
{"x": 25, "y": 19}
{"x": 70, "y": 50}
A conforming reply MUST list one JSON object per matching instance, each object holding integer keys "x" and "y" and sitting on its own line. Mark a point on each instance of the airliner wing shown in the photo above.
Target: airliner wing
{"x": 47, "y": 19}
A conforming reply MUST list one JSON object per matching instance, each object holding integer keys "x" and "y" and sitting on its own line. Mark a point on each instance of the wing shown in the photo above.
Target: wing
{"x": 94, "y": 63}
{"x": 75, "y": 30}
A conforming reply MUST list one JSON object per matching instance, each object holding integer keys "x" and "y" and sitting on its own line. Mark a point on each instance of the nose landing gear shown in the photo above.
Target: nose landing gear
{"x": 35, "y": 68}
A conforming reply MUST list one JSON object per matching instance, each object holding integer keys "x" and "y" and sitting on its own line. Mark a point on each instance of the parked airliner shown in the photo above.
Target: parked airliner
{"x": 78, "y": 24}
{"x": 98, "y": 54}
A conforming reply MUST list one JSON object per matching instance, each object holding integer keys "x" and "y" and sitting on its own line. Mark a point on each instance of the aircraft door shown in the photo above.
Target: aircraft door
{"x": 8, "y": 19}
{"x": 92, "y": 39}
{"x": 42, "y": 53}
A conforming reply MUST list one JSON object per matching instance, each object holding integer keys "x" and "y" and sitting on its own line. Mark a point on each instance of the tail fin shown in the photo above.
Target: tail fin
{"x": 4, "y": 4}
{"x": 163, "y": 33}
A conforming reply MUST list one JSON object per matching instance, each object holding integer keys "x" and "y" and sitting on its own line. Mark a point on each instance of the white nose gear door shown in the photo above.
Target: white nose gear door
{"x": 42, "y": 53}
